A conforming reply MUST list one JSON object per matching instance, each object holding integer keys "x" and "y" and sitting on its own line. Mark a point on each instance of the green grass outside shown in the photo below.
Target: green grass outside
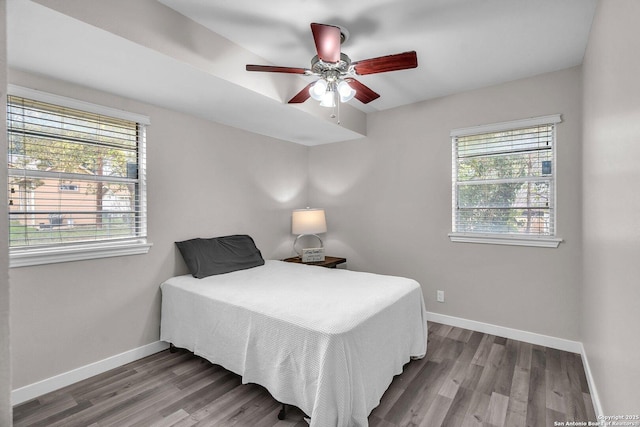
{"x": 21, "y": 235}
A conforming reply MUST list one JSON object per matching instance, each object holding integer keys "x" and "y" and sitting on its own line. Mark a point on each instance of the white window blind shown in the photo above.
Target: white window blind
{"x": 75, "y": 177}
{"x": 504, "y": 179}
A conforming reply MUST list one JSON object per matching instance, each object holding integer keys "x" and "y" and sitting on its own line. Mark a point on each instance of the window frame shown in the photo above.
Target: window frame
{"x": 550, "y": 241}
{"x": 22, "y": 257}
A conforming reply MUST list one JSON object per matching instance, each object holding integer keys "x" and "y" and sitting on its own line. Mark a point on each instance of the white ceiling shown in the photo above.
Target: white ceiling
{"x": 461, "y": 45}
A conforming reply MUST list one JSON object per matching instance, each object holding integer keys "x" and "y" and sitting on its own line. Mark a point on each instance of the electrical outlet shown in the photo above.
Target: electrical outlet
{"x": 440, "y": 296}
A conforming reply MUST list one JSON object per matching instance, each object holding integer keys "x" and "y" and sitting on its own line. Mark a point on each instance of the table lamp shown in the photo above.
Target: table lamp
{"x": 308, "y": 222}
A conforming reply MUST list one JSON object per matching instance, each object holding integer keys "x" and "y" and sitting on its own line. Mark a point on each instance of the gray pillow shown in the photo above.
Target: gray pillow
{"x": 218, "y": 255}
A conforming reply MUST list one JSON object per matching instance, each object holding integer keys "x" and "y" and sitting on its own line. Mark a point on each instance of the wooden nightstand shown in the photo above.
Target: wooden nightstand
{"x": 329, "y": 261}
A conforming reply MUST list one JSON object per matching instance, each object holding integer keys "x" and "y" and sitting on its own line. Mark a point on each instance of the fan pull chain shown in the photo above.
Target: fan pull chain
{"x": 336, "y": 104}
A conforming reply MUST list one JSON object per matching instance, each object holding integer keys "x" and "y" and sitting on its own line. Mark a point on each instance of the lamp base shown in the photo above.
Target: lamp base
{"x": 302, "y": 235}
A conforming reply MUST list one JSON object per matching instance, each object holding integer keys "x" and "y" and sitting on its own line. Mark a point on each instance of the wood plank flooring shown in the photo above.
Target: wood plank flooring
{"x": 466, "y": 379}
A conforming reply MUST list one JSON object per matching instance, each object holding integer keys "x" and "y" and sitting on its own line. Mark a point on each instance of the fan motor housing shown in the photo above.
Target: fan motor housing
{"x": 327, "y": 69}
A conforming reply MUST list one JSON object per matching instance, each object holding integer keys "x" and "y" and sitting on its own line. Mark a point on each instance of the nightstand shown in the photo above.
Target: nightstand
{"x": 329, "y": 261}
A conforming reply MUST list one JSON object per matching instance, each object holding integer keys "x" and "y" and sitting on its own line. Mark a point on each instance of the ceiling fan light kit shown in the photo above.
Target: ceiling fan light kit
{"x": 336, "y": 72}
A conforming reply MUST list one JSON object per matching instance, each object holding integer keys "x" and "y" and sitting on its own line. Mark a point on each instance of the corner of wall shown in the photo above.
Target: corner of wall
{"x": 5, "y": 356}
{"x": 610, "y": 238}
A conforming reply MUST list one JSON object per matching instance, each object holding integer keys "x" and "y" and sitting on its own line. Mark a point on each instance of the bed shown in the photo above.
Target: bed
{"x": 328, "y": 341}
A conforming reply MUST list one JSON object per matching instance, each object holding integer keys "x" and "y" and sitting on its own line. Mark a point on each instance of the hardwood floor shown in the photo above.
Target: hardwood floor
{"x": 466, "y": 379}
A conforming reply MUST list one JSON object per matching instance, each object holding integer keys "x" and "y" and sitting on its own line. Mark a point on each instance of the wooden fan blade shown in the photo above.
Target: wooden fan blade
{"x": 327, "y": 38}
{"x": 382, "y": 64}
{"x": 363, "y": 93}
{"x": 274, "y": 69}
{"x": 301, "y": 96}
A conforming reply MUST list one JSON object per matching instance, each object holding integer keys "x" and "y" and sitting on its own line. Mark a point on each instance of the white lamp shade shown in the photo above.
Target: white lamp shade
{"x": 328, "y": 99}
{"x": 308, "y": 221}
{"x": 318, "y": 90}
{"x": 346, "y": 92}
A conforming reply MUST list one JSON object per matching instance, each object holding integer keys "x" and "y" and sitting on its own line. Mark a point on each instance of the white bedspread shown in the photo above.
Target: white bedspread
{"x": 328, "y": 341}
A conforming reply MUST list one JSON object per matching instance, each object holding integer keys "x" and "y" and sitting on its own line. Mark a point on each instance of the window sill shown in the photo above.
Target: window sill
{"x": 40, "y": 256}
{"x": 496, "y": 239}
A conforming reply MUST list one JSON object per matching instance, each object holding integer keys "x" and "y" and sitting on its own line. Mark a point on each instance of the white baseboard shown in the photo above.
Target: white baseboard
{"x": 597, "y": 406}
{"x": 34, "y": 390}
{"x": 501, "y": 331}
{"x": 530, "y": 337}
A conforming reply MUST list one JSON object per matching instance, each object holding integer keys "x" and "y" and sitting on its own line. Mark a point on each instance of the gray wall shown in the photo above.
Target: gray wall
{"x": 5, "y": 359}
{"x": 388, "y": 201}
{"x": 204, "y": 180}
{"x": 611, "y": 232}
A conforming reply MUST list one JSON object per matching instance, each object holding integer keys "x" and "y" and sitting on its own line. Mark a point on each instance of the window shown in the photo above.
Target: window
{"x": 68, "y": 187}
{"x": 504, "y": 183}
{"x": 76, "y": 184}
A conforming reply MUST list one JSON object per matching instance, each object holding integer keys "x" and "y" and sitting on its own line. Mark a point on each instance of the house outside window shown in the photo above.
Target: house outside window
{"x": 503, "y": 183}
{"x": 76, "y": 184}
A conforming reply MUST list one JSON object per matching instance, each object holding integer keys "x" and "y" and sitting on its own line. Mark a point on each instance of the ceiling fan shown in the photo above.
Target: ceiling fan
{"x": 337, "y": 72}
